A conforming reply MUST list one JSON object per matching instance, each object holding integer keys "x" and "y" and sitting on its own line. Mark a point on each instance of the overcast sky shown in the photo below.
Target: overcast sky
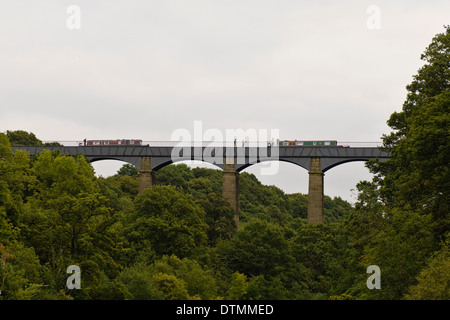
{"x": 143, "y": 69}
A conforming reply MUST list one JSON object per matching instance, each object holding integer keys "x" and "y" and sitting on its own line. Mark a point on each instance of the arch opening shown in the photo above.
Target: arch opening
{"x": 189, "y": 163}
{"x": 198, "y": 164}
{"x": 107, "y": 167}
{"x": 289, "y": 177}
{"x": 335, "y": 164}
{"x": 342, "y": 180}
{"x": 266, "y": 163}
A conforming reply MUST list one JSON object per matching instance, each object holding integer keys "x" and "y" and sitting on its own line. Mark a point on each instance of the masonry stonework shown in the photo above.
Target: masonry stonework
{"x": 230, "y": 187}
{"x": 315, "y": 192}
{"x": 146, "y": 174}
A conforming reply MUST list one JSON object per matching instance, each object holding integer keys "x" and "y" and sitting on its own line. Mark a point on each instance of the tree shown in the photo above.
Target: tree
{"x": 22, "y": 138}
{"x": 260, "y": 247}
{"x": 260, "y": 288}
{"x": 128, "y": 170}
{"x": 140, "y": 282}
{"x": 199, "y": 281}
{"x": 319, "y": 248}
{"x": 298, "y": 205}
{"x": 7, "y": 232}
{"x": 256, "y": 199}
{"x": 219, "y": 216}
{"x": 433, "y": 282}
{"x": 15, "y": 176}
{"x": 169, "y": 220}
{"x": 400, "y": 248}
{"x": 416, "y": 177}
{"x": 238, "y": 288}
{"x": 402, "y": 216}
{"x": 335, "y": 209}
{"x": 214, "y": 177}
{"x": 20, "y": 275}
{"x": 171, "y": 287}
{"x": 67, "y": 220}
{"x": 176, "y": 175}
{"x": 65, "y": 200}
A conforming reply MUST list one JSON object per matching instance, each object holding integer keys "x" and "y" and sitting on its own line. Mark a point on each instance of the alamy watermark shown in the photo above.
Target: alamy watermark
{"x": 234, "y": 146}
{"x": 373, "y": 21}
{"x": 374, "y": 281}
{"x": 73, "y": 21}
{"x": 74, "y": 281}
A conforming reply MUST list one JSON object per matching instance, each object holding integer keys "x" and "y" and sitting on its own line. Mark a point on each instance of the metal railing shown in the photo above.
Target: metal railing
{"x": 242, "y": 143}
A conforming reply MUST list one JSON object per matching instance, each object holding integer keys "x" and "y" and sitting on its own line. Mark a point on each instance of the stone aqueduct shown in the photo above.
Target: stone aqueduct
{"x": 232, "y": 160}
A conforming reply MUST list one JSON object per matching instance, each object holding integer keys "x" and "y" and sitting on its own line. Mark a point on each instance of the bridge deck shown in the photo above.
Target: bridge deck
{"x": 244, "y": 156}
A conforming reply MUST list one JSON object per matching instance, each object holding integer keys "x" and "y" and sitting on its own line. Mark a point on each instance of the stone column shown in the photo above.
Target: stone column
{"x": 315, "y": 192}
{"x": 146, "y": 175}
{"x": 230, "y": 187}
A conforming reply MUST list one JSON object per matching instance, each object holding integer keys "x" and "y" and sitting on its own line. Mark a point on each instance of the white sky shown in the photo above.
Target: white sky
{"x": 143, "y": 69}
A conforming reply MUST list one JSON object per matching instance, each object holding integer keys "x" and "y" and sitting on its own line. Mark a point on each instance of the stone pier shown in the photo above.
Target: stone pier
{"x": 230, "y": 187}
{"x": 315, "y": 192}
{"x": 146, "y": 174}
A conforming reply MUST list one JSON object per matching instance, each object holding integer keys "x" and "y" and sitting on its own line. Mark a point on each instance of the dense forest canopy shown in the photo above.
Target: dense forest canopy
{"x": 178, "y": 240}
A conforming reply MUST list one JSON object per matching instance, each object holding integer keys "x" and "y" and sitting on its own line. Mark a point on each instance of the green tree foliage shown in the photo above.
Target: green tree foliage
{"x": 433, "y": 282}
{"x": 199, "y": 281}
{"x": 66, "y": 204}
{"x": 168, "y": 219}
{"x": 27, "y": 139}
{"x": 219, "y": 216}
{"x": 260, "y": 247}
{"x": 128, "y": 170}
{"x": 169, "y": 278}
{"x": 402, "y": 215}
{"x": 23, "y": 138}
{"x": 266, "y": 202}
{"x": 176, "y": 175}
{"x": 297, "y": 205}
{"x": 171, "y": 287}
{"x": 335, "y": 209}
{"x": 416, "y": 178}
{"x": 238, "y": 287}
{"x": 53, "y": 211}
